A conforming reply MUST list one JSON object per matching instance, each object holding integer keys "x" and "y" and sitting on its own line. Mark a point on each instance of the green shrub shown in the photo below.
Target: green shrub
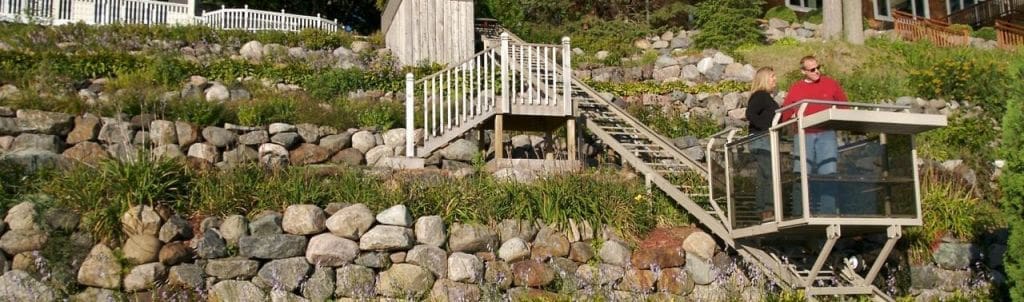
{"x": 318, "y": 39}
{"x": 814, "y": 17}
{"x": 101, "y": 195}
{"x": 382, "y": 115}
{"x": 335, "y": 83}
{"x": 950, "y": 208}
{"x": 727, "y": 24}
{"x": 965, "y": 137}
{"x": 963, "y": 78}
{"x": 987, "y": 33}
{"x": 781, "y": 12}
{"x": 200, "y": 112}
{"x": 651, "y": 87}
{"x": 169, "y": 71}
{"x": 264, "y": 112}
{"x": 1012, "y": 185}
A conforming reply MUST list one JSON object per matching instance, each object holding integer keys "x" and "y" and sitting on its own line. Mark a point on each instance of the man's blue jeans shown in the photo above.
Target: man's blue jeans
{"x": 822, "y": 150}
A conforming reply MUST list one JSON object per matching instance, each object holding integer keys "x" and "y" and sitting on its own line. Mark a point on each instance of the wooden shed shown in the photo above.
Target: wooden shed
{"x": 429, "y": 30}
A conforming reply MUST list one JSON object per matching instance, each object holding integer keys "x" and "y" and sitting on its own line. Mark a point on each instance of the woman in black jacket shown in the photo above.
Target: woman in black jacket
{"x": 760, "y": 112}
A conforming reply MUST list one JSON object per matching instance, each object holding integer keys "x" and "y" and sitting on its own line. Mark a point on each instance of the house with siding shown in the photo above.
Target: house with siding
{"x": 971, "y": 12}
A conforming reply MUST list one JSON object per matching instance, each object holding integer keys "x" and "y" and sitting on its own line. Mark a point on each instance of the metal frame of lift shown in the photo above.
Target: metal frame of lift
{"x": 833, "y": 230}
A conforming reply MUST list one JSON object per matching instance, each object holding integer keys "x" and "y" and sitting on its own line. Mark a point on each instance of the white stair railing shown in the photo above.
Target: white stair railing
{"x": 515, "y": 78}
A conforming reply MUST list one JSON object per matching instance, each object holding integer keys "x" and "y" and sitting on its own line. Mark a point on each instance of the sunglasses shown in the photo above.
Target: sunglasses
{"x": 815, "y": 69}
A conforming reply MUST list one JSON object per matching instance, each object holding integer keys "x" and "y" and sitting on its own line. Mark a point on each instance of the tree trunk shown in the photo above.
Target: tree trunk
{"x": 853, "y": 21}
{"x": 832, "y": 14}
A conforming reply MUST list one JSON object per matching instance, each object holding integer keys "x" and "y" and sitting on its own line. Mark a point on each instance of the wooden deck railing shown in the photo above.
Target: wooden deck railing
{"x": 912, "y": 28}
{"x": 1009, "y": 35}
{"x": 985, "y": 13}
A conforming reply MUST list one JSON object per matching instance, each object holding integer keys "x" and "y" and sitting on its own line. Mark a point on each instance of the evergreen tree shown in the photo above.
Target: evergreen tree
{"x": 1012, "y": 183}
{"x": 727, "y": 24}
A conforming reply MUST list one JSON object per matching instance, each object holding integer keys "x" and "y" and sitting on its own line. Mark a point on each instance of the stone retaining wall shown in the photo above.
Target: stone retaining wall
{"x": 347, "y": 252}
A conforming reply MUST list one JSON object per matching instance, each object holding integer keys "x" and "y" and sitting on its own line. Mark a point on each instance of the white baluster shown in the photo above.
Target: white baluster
{"x": 426, "y": 122}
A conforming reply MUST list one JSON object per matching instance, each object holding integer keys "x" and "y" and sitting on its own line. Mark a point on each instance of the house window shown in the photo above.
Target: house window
{"x": 914, "y": 7}
{"x": 883, "y": 10}
{"x": 803, "y": 5}
{"x": 953, "y": 6}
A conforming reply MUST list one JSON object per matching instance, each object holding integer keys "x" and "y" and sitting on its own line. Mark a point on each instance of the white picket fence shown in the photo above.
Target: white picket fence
{"x": 58, "y": 12}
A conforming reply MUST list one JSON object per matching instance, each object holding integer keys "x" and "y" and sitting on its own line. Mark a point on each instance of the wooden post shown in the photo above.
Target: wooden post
{"x": 853, "y": 22}
{"x": 832, "y": 14}
{"x": 409, "y": 120}
{"x": 498, "y": 141}
{"x": 570, "y": 133}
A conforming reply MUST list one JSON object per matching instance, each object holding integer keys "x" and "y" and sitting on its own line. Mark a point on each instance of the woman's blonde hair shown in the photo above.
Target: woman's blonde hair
{"x": 762, "y": 80}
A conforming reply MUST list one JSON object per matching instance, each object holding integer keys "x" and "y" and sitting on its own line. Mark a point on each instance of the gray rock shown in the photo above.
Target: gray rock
{"x": 187, "y": 133}
{"x": 277, "y": 295}
{"x": 45, "y": 142}
{"x": 304, "y": 219}
{"x": 92, "y": 294}
{"x": 614, "y": 253}
{"x": 350, "y": 157}
{"x": 386, "y": 238}
{"x": 550, "y": 243}
{"x": 705, "y": 65}
{"x": 276, "y": 128}
{"x": 336, "y": 142}
{"x": 514, "y": 249}
{"x": 355, "y": 281}
{"x": 266, "y": 225}
{"x": 376, "y": 154}
{"x": 139, "y": 249}
{"x": 273, "y": 155}
{"x": 100, "y": 269}
{"x": 188, "y": 276}
{"x": 254, "y": 138}
{"x": 699, "y": 244}
{"x": 286, "y": 274}
{"x": 310, "y": 133}
{"x": 210, "y": 245}
{"x": 599, "y": 275}
{"x": 351, "y": 222}
{"x": 430, "y": 230}
{"x": 471, "y": 238}
{"x": 287, "y": 139}
{"x": 522, "y": 229}
{"x": 204, "y": 151}
{"x": 217, "y": 93}
{"x": 32, "y": 160}
{"x": 19, "y": 241}
{"x": 601, "y": 55}
{"x": 87, "y": 128}
{"x": 219, "y": 137}
{"x": 236, "y": 291}
{"x": 123, "y": 151}
{"x": 777, "y": 23}
{"x": 466, "y": 268}
{"x": 396, "y": 215}
{"x": 405, "y": 280}
{"x": 241, "y": 155}
{"x": 667, "y": 73}
{"x": 9, "y": 126}
{"x": 232, "y": 228}
{"x": 430, "y": 257}
{"x": 20, "y": 286}
{"x": 144, "y": 277}
{"x": 240, "y": 94}
{"x": 168, "y": 152}
{"x": 374, "y": 260}
{"x": 690, "y": 73}
{"x": 363, "y": 141}
{"x": 7, "y": 90}
{"x": 331, "y": 251}
{"x": 252, "y": 50}
{"x": 700, "y": 270}
{"x": 176, "y": 228}
{"x": 232, "y": 268}
{"x": 665, "y": 61}
{"x": 498, "y": 273}
{"x": 738, "y": 72}
{"x": 272, "y": 246}
{"x": 581, "y": 252}
{"x": 461, "y": 150}
{"x": 954, "y": 256}
{"x": 320, "y": 285}
{"x": 163, "y": 133}
{"x": 43, "y": 122}
{"x": 22, "y": 217}
{"x": 680, "y": 42}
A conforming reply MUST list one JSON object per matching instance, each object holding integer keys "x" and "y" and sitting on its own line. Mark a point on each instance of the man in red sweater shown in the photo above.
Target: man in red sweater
{"x": 822, "y": 147}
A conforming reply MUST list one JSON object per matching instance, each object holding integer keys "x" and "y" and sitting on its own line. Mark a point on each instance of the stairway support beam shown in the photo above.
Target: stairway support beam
{"x": 570, "y": 131}
{"x": 499, "y": 136}
{"x": 894, "y": 232}
{"x": 833, "y": 233}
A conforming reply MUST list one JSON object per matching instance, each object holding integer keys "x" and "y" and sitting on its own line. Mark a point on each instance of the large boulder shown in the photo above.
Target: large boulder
{"x": 87, "y": 127}
{"x": 305, "y": 219}
{"x": 116, "y": 132}
{"x": 87, "y": 152}
{"x": 187, "y": 276}
{"x": 44, "y": 122}
{"x": 219, "y": 137}
{"x": 286, "y": 274}
{"x": 254, "y": 138}
{"x": 363, "y": 141}
{"x": 32, "y": 159}
{"x": 550, "y": 243}
{"x": 405, "y": 280}
{"x": 22, "y": 217}
{"x": 19, "y": 241}
{"x": 522, "y": 229}
{"x": 210, "y": 245}
{"x": 141, "y": 220}
{"x": 176, "y": 228}
{"x": 514, "y": 249}
{"x": 336, "y": 142}
{"x": 461, "y": 150}
{"x": 387, "y": 238}
{"x": 204, "y": 151}
{"x": 430, "y": 257}
{"x": 141, "y": 249}
{"x": 232, "y": 268}
{"x": 466, "y": 268}
{"x": 320, "y": 285}
{"x": 20, "y": 286}
{"x": 397, "y": 215}
{"x": 236, "y": 291}
{"x": 430, "y": 230}
{"x": 308, "y": 154}
{"x": 100, "y": 269}
{"x": 32, "y": 141}
{"x": 614, "y": 253}
{"x": 175, "y": 253}
{"x": 351, "y": 222}
{"x": 272, "y": 246}
{"x": 187, "y": 133}
{"x": 532, "y": 273}
{"x": 144, "y": 277}
{"x": 330, "y": 250}
{"x": 354, "y": 281}
{"x": 472, "y": 238}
